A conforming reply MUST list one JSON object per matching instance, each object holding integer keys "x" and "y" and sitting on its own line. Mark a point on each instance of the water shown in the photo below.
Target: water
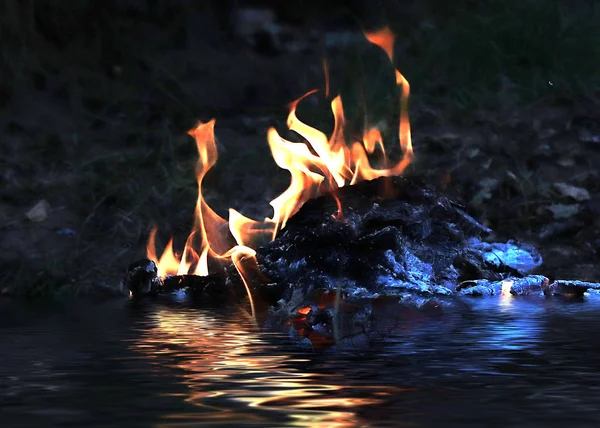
{"x": 506, "y": 362}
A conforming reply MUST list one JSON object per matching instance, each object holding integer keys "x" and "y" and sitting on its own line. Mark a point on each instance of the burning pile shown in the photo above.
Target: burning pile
{"x": 343, "y": 232}
{"x": 317, "y": 165}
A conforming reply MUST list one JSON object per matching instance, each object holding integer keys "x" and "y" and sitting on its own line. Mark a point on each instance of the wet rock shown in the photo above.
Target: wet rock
{"x": 570, "y": 287}
{"x": 515, "y": 286}
{"x": 480, "y": 287}
{"x": 529, "y": 285}
{"x": 519, "y": 256}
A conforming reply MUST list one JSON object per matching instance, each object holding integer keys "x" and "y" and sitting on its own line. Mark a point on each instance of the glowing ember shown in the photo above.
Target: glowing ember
{"x": 317, "y": 164}
{"x": 304, "y": 310}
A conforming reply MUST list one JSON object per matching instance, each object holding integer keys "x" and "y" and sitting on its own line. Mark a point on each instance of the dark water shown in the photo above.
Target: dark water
{"x": 507, "y": 362}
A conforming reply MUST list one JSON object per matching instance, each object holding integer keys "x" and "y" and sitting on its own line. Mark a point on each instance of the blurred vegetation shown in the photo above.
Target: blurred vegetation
{"x": 505, "y": 53}
{"x": 122, "y": 161}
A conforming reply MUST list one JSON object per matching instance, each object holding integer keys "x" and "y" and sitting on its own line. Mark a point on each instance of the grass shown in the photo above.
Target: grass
{"x": 475, "y": 55}
{"x": 115, "y": 153}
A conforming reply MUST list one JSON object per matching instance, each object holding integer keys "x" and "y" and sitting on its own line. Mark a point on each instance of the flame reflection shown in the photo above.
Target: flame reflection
{"x": 224, "y": 361}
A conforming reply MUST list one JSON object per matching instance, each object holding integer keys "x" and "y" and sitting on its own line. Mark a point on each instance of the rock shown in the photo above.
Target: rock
{"x": 578, "y": 194}
{"x": 480, "y": 287}
{"x": 39, "y": 212}
{"x": 566, "y": 162}
{"x": 562, "y": 211}
{"x": 519, "y": 256}
{"x": 563, "y": 287}
{"x": 528, "y": 285}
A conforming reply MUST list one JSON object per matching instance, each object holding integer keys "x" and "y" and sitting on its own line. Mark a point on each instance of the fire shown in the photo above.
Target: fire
{"x": 506, "y": 287}
{"x": 317, "y": 164}
{"x": 305, "y": 310}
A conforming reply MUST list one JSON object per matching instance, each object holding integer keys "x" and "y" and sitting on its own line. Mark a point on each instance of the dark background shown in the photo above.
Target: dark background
{"x": 96, "y": 98}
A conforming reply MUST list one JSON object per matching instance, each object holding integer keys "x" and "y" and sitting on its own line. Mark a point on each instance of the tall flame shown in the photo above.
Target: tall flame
{"x": 316, "y": 164}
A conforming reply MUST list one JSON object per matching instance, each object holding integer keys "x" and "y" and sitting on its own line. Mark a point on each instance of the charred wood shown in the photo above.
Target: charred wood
{"x": 141, "y": 280}
{"x": 515, "y": 286}
{"x": 574, "y": 288}
{"x": 409, "y": 241}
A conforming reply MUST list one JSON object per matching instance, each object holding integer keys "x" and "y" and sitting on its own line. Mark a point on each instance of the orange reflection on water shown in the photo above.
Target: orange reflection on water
{"x": 223, "y": 361}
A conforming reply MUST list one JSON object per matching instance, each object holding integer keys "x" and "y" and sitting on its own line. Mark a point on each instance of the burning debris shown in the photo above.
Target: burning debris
{"x": 317, "y": 165}
{"x": 410, "y": 241}
{"x": 346, "y": 238}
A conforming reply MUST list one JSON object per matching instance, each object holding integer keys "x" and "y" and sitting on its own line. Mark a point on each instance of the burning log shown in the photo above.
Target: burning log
{"x": 411, "y": 241}
{"x": 142, "y": 279}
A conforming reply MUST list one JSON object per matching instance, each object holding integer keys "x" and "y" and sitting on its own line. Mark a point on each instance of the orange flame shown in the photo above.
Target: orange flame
{"x": 383, "y": 38}
{"x": 339, "y": 215}
{"x": 316, "y": 164}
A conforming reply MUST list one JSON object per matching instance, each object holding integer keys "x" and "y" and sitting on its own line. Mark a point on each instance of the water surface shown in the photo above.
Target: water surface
{"x": 505, "y": 362}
